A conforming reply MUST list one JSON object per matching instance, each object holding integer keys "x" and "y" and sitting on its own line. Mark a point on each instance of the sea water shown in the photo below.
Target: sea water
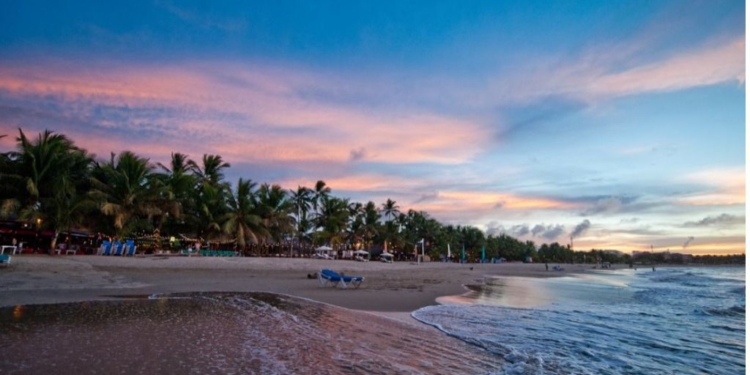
{"x": 662, "y": 321}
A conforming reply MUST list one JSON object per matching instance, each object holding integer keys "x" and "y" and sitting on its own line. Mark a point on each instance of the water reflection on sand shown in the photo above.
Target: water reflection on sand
{"x": 526, "y": 292}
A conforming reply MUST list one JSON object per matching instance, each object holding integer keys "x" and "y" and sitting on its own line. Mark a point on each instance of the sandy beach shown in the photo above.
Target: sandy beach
{"x": 44, "y": 296}
{"x": 65, "y": 314}
{"x": 393, "y": 287}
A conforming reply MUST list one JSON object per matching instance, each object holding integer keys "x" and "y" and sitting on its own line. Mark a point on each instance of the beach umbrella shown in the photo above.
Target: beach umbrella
{"x": 449, "y": 251}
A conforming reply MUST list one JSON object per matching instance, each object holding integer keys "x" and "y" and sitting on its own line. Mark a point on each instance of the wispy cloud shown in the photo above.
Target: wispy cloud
{"x": 723, "y": 220}
{"x": 247, "y": 111}
{"x": 721, "y": 187}
{"x": 203, "y": 20}
{"x": 703, "y": 66}
{"x": 606, "y": 72}
{"x": 482, "y": 202}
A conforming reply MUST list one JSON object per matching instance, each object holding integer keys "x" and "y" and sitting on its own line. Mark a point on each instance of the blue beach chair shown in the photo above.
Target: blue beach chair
{"x": 130, "y": 248}
{"x": 105, "y": 248}
{"x": 117, "y": 248}
{"x": 5, "y": 259}
{"x": 326, "y": 276}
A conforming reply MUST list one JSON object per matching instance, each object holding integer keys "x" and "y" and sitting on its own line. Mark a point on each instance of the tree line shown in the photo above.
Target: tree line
{"x": 52, "y": 183}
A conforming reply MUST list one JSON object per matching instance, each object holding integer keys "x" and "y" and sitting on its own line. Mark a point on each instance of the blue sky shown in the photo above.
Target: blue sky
{"x": 624, "y": 118}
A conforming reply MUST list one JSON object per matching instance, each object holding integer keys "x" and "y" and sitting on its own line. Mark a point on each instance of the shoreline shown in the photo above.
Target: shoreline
{"x": 400, "y": 287}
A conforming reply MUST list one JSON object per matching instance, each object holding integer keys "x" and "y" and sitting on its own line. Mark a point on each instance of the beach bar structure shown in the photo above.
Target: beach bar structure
{"x": 362, "y": 255}
{"x": 325, "y": 252}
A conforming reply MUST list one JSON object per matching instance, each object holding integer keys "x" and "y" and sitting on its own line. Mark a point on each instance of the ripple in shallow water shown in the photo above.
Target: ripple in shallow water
{"x": 220, "y": 333}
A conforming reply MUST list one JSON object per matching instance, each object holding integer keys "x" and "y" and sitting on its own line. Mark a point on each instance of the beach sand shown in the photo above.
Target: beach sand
{"x": 388, "y": 287}
{"x": 65, "y": 314}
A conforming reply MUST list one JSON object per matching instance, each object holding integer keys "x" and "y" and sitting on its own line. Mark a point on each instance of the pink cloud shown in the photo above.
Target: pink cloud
{"x": 478, "y": 207}
{"x": 358, "y": 183}
{"x": 724, "y": 187}
{"x": 600, "y": 73}
{"x": 230, "y": 102}
{"x": 700, "y": 67}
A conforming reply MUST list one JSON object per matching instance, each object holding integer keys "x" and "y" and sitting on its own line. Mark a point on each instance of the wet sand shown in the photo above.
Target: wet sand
{"x": 395, "y": 287}
{"x": 224, "y": 333}
{"x": 91, "y": 314}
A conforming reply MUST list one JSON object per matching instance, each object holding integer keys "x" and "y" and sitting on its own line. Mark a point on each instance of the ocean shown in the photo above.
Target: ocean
{"x": 671, "y": 321}
{"x": 668, "y": 321}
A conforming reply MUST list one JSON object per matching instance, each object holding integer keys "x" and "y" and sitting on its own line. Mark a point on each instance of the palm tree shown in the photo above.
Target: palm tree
{"x": 371, "y": 222}
{"x": 180, "y": 184}
{"x": 321, "y": 191}
{"x": 302, "y": 201}
{"x": 356, "y": 229}
{"x": 305, "y": 229}
{"x": 211, "y": 171}
{"x": 70, "y": 205}
{"x": 36, "y": 167}
{"x": 333, "y": 219}
{"x": 208, "y": 211}
{"x": 128, "y": 191}
{"x": 242, "y": 221}
{"x": 43, "y": 181}
{"x": 275, "y": 209}
{"x": 210, "y": 195}
{"x": 390, "y": 209}
{"x": 178, "y": 175}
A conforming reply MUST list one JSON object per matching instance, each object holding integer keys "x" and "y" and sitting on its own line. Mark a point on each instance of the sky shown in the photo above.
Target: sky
{"x": 620, "y": 124}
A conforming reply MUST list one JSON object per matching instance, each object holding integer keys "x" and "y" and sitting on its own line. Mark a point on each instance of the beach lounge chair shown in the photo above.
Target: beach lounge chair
{"x": 130, "y": 248}
{"x": 326, "y": 276}
{"x": 60, "y": 248}
{"x": 105, "y": 248}
{"x": 12, "y": 249}
{"x": 5, "y": 259}
{"x": 117, "y": 248}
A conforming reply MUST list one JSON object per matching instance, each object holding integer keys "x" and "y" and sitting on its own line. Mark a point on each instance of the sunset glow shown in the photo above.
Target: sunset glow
{"x": 504, "y": 116}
